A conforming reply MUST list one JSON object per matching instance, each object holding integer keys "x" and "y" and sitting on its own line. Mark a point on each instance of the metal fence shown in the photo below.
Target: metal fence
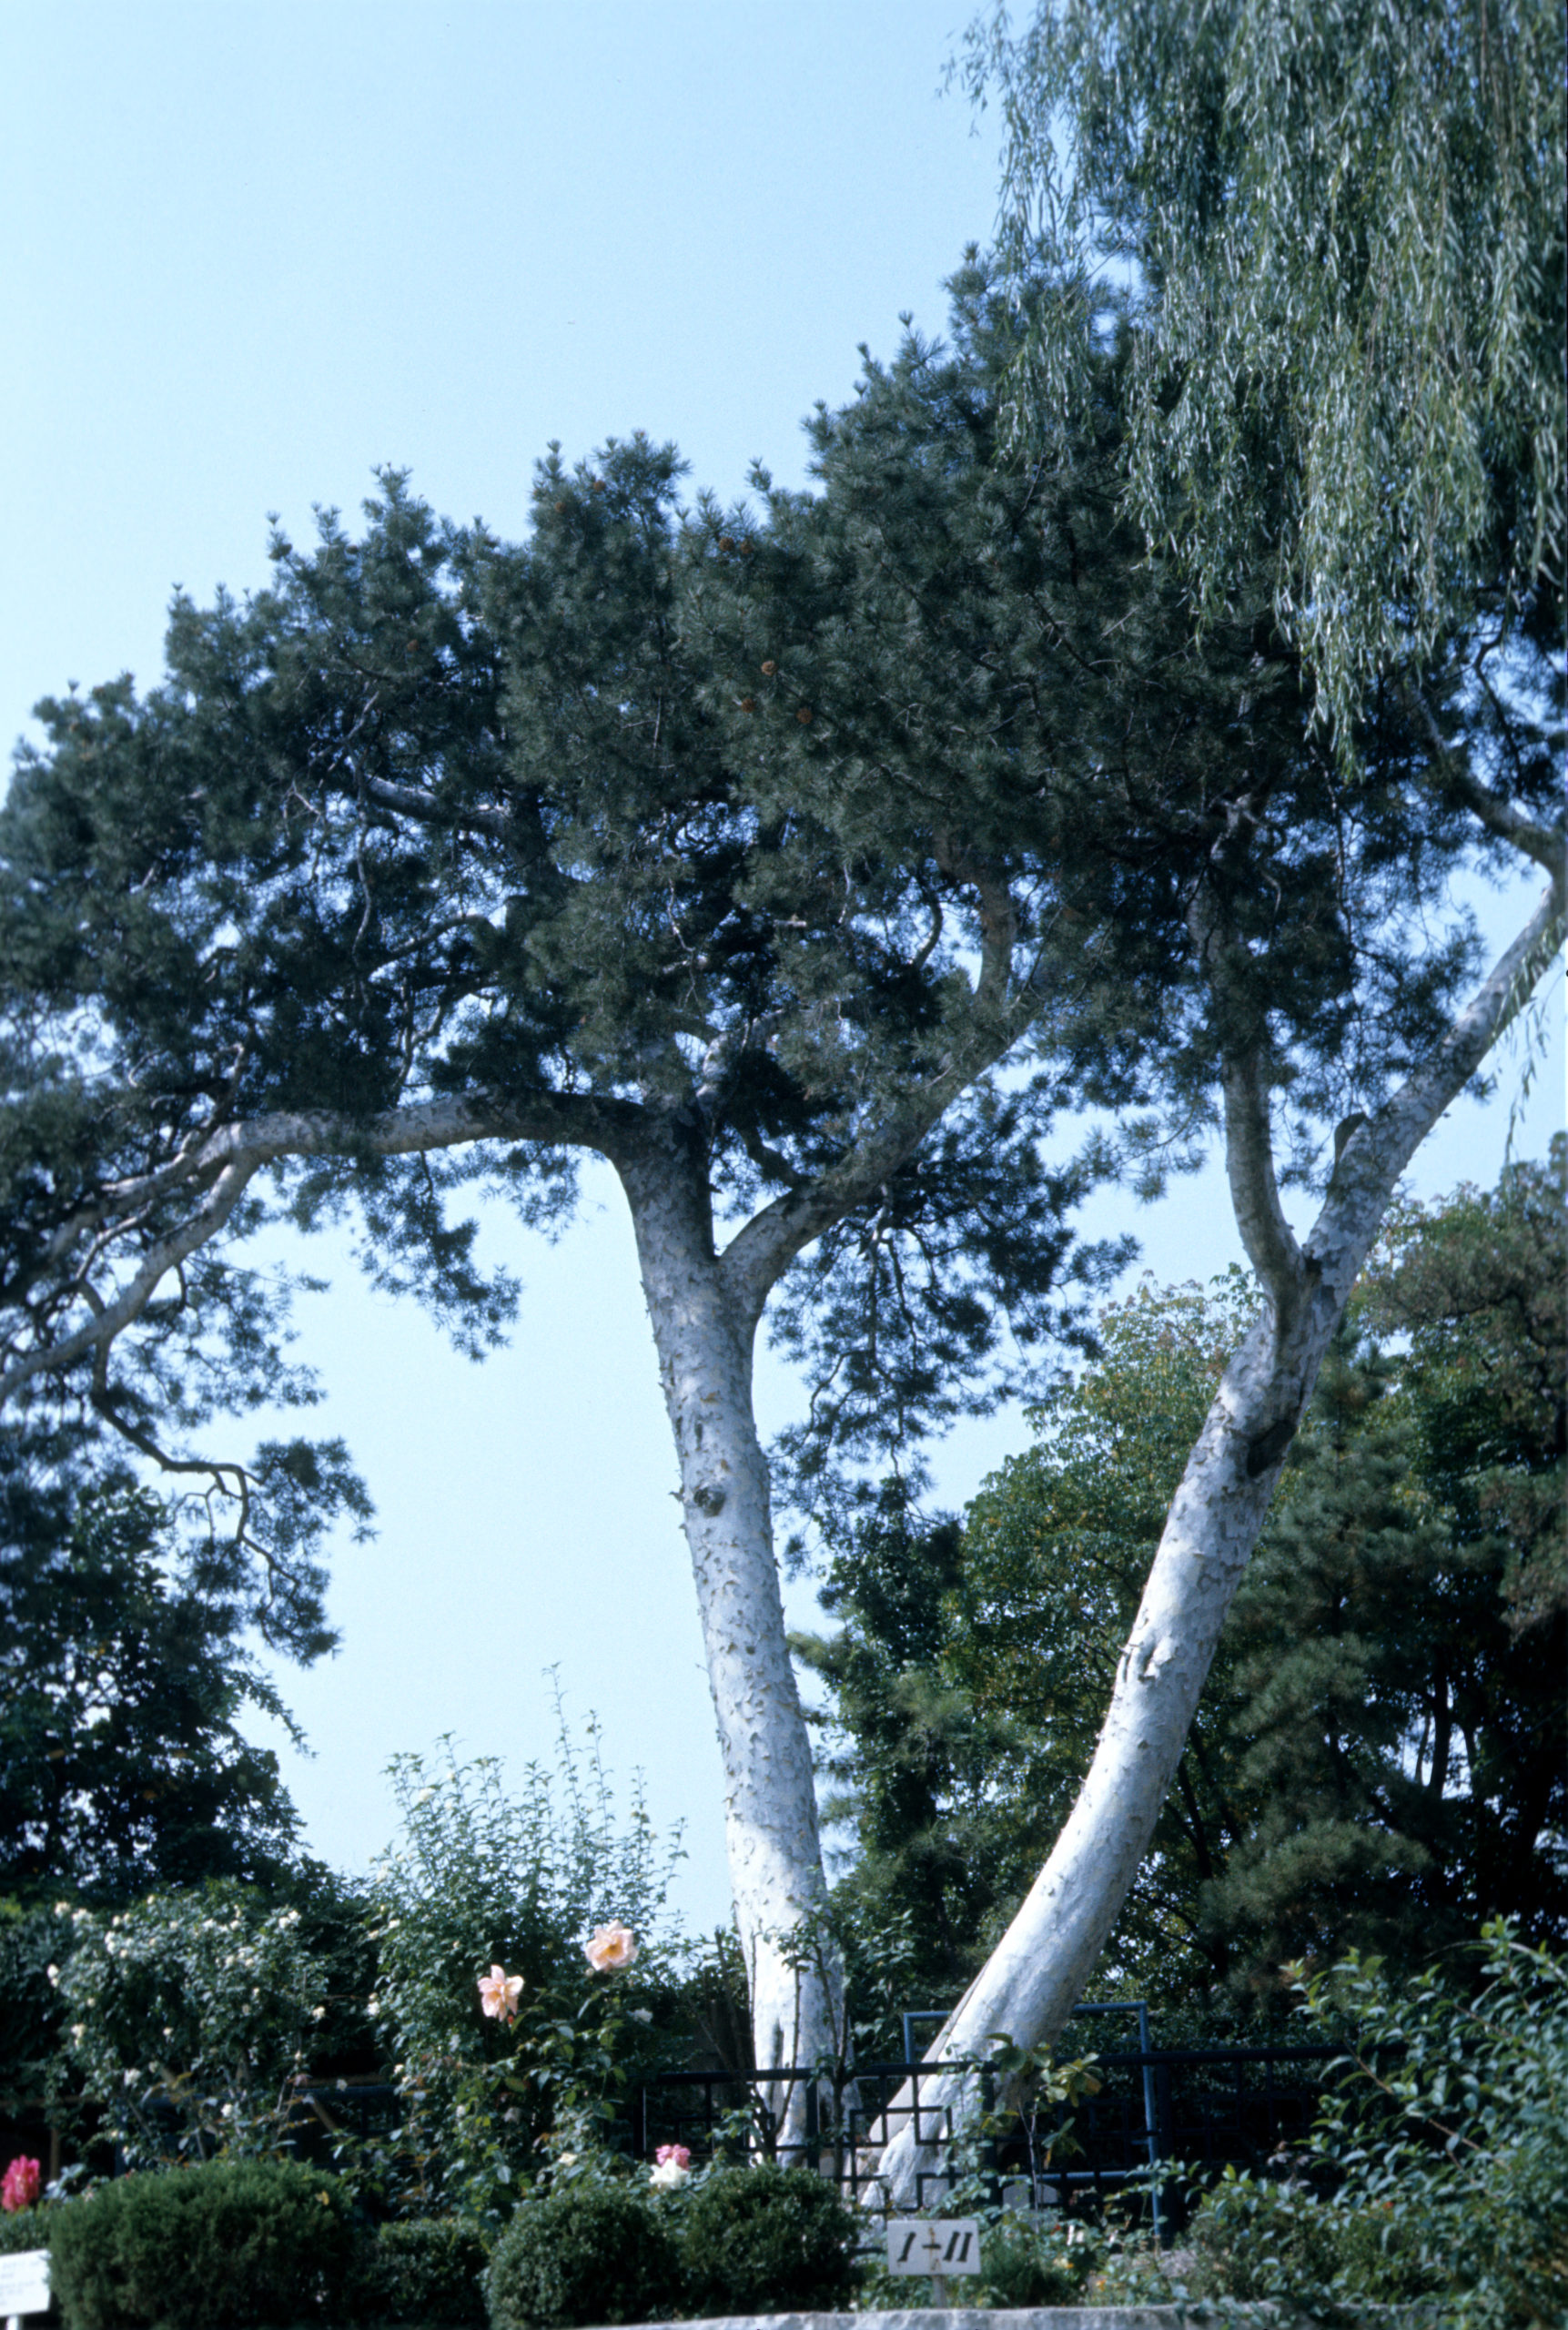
{"x": 1202, "y": 2106}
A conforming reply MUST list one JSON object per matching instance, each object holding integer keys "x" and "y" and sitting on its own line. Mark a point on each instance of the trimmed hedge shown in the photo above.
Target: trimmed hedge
{"x": 427, "y": 2272}
{"x": 26, "y": 2228}
{"x": 228, "y": 2245}
{"x": 767, "y": 2240}
{"x": 591, "y": 2252}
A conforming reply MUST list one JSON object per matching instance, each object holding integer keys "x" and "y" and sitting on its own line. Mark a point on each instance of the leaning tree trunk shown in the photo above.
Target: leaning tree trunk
{"x": 771, "y": 1834}
{"x": 1035, "y": 1977}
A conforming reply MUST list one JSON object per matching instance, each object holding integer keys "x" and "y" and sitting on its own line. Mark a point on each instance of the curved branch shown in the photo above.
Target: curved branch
{"x": 1545, "y": 844}
{"x": 226, "y": 1160}
{"x": 1267, "y": 1236}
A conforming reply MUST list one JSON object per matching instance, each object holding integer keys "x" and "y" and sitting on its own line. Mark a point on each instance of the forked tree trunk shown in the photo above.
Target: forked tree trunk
{"x": 1036, "y": 1974}
{"x": 770, "y": 1828}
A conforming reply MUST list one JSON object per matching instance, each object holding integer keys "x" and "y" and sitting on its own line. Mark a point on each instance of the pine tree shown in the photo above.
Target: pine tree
{"x": 741, "y": 850}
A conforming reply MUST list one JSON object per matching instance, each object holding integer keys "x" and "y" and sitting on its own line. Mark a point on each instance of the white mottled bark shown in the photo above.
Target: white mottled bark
{"x": 705, "y": 1340}
{"x": 1036, "y": 1974}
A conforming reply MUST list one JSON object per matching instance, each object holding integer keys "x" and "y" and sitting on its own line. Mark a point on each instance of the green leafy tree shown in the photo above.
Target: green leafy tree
{"x": 970, "y": 1675}
{"x": 1406, "y": 1740}
{"x": 1475, "y": 1290}
{"x": 122, "y": 1766}
{"x": 1337, "y": 234}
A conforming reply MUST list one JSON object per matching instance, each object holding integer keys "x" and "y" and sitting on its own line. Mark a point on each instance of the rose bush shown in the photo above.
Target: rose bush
{"x": 509, "y": 2036}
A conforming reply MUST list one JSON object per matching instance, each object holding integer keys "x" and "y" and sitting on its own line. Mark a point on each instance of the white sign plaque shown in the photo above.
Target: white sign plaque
{"x": 25, "y": 2282}
{"x": 940, "y": 2246}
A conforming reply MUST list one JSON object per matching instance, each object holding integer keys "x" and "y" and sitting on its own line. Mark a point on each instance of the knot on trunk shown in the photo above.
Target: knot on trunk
{"x": 1270, "y": 1446}
{"x": 709, "y": 1499}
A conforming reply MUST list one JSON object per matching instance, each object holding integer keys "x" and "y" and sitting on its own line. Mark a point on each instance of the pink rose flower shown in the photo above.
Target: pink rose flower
{"x": 677, "y": 2153}
{"x": 498, "y": 1994}
{"x": 609, "y": 1947}
{"x": 20, "y": 2186}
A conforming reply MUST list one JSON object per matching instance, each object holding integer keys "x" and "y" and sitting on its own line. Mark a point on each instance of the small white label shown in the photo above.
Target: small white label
{"x": 25, "y": 2282}
{"x": 940, "y": 2246}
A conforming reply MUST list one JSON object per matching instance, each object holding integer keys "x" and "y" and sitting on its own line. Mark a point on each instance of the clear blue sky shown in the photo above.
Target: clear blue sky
{"x": 248, "y": 252}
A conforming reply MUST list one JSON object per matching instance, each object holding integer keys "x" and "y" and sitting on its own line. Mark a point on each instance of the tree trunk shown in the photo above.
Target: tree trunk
{"x": 1036, "y": 1974}
{"x": 771, "y": 1834}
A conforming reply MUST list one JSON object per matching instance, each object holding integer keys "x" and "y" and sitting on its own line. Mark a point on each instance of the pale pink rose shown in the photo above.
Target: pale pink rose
{"x": 20, "y": 2186}
{"x": 498, "y": 1994}
{"x": 609, "y": 1947}
{"x": 677, "y": 2153}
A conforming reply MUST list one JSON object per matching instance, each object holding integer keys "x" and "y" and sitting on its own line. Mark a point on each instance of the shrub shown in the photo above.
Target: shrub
{"x": 590, "y": 2251}
{"x": 219, "y": 2247}
{"x": 481, "y": 1878}
{"x": 1023, "y": 2268}
{"x": 1440, "y": 2149}
{"x": 427, "y": 2270}
{"x": 1256, "y": 2240}
{"x": 186, "y": 2015}
{"x": 24, "y": 2229}
{"x": 766, "y": 2240}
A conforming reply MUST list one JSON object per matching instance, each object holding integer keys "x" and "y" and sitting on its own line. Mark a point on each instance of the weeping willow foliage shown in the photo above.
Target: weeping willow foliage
{"x": 1337, "y": 229}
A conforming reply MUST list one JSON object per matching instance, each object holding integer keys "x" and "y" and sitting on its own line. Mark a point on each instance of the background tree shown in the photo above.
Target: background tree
{"x": 1332, "y": 1794}
{"x": 973, "y": 1666}
{"x": 122, "y": 1766}
{"x": 1476, "y": 1286}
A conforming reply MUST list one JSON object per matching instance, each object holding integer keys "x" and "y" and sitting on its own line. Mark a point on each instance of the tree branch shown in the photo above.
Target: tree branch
{"x": 1377, "y": 1152}
{"x": 228, "y": 1158}
{"x": 407, "y": 802}
{"x": 1267, "y": 1236}
{"x": 1545, "y": 844}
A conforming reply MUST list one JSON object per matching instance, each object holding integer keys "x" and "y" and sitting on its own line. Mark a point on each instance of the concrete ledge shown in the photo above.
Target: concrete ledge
{"x": 1196, "y": 2313}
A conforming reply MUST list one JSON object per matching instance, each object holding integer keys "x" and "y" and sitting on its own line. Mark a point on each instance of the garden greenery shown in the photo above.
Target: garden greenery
{"x": 482, "y": 1878}
{"x": 1437, "y": 2168}
{"x": 237, "y": 2243}
{"x": 186, "y": 2019}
